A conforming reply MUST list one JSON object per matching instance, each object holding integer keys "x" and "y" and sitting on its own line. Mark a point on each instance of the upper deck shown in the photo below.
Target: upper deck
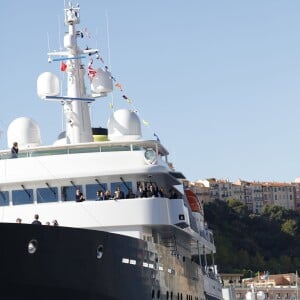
{"x": 91, "y": 147}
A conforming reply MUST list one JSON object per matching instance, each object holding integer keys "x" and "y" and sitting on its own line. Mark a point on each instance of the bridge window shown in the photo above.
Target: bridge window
{"x": 91, "y": 190}
{"x": 49, "y": 194}
{"x": 4, "y": 198}
{"x": 68, "y": 193}
{"x": 24, "y": 196}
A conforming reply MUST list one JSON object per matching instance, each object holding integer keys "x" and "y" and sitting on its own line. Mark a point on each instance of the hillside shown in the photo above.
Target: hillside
{"x": 248, "y": 243}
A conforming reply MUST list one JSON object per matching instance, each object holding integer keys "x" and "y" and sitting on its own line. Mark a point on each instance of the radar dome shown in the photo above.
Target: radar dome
{"x": 25, "y": 132}
{"x": 101, "y": 83}
{"x": 47, "y": 85}
{"x": 123, "y": 125}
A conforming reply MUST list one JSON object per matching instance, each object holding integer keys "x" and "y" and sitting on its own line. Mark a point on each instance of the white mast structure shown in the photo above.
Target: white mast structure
{"x": 76, "y": 103}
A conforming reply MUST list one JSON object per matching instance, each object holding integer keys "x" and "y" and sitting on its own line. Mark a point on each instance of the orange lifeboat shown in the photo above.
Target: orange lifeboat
{"x": 193, "y": 201}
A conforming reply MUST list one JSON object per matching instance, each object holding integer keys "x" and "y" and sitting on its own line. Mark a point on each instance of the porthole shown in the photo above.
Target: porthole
{"x": 99, "y": 251}
{"x": 32, "y": 246}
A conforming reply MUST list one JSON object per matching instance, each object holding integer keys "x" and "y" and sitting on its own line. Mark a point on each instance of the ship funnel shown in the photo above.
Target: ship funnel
{"x": 48, "y": 85}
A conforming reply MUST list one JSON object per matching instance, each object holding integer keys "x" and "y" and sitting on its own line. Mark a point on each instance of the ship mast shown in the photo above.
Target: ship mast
{"x": 76, "y": 102}
{"x": 76, "y": 110}
{"x": 78, "y": 127}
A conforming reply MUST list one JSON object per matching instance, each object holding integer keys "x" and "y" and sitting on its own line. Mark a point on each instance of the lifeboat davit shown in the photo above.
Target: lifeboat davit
{"x": 193, "y": 201}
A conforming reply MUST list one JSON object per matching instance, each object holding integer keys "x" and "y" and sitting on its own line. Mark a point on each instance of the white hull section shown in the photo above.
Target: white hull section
{"x": 97, "y": 214}
{"x": 62, "y": 168}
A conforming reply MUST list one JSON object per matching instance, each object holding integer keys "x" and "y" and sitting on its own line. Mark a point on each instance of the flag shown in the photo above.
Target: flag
{"x": 91, "y": 72}
{"x": 264, "y": 275}
{"x": 145, "y": 123}
{"x": 157, "y": 138}
{"x": 267, "y": 275}
{"x": 63, "y": 66}
{"x": 126, "y": 98}
{"x": 119, "y": 86}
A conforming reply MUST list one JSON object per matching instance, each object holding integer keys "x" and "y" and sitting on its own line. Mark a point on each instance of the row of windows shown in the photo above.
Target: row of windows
{"x": 73, "y": 150}
{"x": 53, "y": 194}
{"x": 169, "y": 296}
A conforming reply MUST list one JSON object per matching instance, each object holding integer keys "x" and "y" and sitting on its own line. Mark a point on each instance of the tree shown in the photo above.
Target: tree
{"x": 289, "y": 227}
{"x": 238, "y": 207}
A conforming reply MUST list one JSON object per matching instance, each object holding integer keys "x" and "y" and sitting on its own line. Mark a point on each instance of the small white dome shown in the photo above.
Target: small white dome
{"x": 25, "y": 132}
{"x": 123, "y": 125}
{"x": 102, "y": 82}
{"x": 48, "y": 85}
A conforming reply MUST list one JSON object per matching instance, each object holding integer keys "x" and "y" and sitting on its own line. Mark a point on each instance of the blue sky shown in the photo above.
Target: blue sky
{"x": 218, "y": 81}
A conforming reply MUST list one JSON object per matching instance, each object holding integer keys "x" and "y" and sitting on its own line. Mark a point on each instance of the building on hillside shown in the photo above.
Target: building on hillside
{"x": 219, "y": 189}
{"x": 202, "y": 191}
{"x": 255, "y": 195}
{"x": 282, "y": 194}
{"x": 246, "y": 193}
{"x": 296, "y": 186}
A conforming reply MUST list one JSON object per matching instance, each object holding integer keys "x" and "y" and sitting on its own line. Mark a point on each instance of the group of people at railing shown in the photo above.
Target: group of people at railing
{"x": 36, "y": 221}
{"x": 144, "y": 190}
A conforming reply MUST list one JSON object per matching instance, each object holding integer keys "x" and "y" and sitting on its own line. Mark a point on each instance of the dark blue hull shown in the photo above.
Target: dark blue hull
{"x": 60, "y": 263}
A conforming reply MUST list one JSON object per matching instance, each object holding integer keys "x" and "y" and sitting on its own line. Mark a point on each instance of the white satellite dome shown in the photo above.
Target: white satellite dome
{"x": 25, "y": 132}
{"x": 48, "y": 85}
{"x": 124, "y": 124}
{"x": 102, "y": 82}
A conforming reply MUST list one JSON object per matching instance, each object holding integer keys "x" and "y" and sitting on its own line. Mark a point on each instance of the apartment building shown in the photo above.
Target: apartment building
{"x": 254, "y": 194}
{"x": 281, "y": 194}
{"x": 296, "y": 186}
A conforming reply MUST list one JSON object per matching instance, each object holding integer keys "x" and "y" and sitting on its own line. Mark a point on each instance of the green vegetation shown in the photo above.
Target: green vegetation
{"x": 248, "y": 243}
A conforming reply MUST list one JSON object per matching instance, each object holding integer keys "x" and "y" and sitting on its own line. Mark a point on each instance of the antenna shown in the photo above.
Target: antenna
{"x": 107, "y": 36}
{"x": 59, "y": 35}
{"x": 48, "y": 39}
{"x": 108, "y": 49}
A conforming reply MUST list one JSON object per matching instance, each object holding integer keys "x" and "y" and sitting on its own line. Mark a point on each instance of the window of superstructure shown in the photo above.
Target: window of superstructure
{"x": 91, "y": 190}
{"x": 48, "y": 152}
{"x": 136, "y": 148}
{"x": 4, "y": 198}
{"x": 84, "y": 150}
{"x": 124, "y": 187}
{"x": 115, "y": 148}
{"x": 48, "y": 194}
{"x": 68, "y": 193}
{"x": 24, "y": 196}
